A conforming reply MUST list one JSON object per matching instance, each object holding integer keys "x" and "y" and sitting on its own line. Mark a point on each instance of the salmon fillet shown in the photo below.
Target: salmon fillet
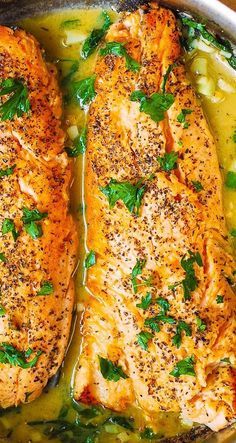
{"x": 176, "y": 224}
{"x": 36, "y": 286}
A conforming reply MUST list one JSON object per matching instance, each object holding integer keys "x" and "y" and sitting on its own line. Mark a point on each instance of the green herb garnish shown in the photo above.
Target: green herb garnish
{"x": 83, "y": 91}
{"x": 3, "y": 257}
{"x": 79, "y": 145}
{"x": 197, "y": 185}
{"x": 110, "y": 371}
{"x": 168, "y": 161}
{"x": 155, "y": 106}
{"x": 93, "y": 40}
{"x": 46, "y": 288}
{"x": 119, "y": 50}
{"x": 201, "y": 326}
{"x": 234, "y": 136}
{"x": 90, "y": 260}
{"x": 137, "y": 270}
{"x": 184, "y": 367}
{"x": 225, "y": 360}
{"x": 153, "y": 322}
{"x": 34, "y": 230}
{"x": 2, "y": 311}
{"x": 6, "y": 172}
{"x": 9, "y": 226}
{"x": 190, "y": 282}
{"x": 143, "y": 338}
{"x": 181, "y": 118}
{"x": 70, "y": 24}
{"x": 131, "y": 195}
{"x": 166, "y": 76}
{"x": 18, "y": 103}
{"x": 149, "y": 434}
{"x": 68, "y": 77}
{"x": 230, "y": 181}
{"x": 219, "y": 299}
{"x": 163, "y": 304}
{"x": 182, "y": 326}
{"x": 196, "y": 30}
{"x": 145, "y": 302}
{"x": 31, "y": 215}
{"x": 9, "y": 354}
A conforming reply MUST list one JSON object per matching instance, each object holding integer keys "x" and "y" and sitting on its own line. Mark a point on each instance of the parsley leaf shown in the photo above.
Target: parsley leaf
{"x": 110, "y": 371}
{"x": 90, "y": 260}
{"x": 118, "y": 49}
{"x": 46, "y": 288}
{"x": 79, "y": 146}
{"x": 131, "y": 195}
{"x": 9, "y": 226}
{"x": 83, "y": 91}
{"x": 143, "y": 338}
{"x": 168, "y": 161}
{"x": 145, "y": 302}
{"x": 9, "y": 354}
{"x": 184, "y": 367}
{"x": 153, "y": 322}
{"x": 190, "y": 282}
{"x": 18, "y": 103}
{"x": 93, "y": 40}
{"x": 233, "y": 232}
{"x": 149, "y": 434}
{"x": 3, "y": 257}
{"x": 6, "y": 172}
{"x": 182, "y": 117}
{"x": 163, "y": 304}
{"x": 2, "y": 311}
{"x": 219, "y": 299}
{"x": 225, "y": 360}
{"x": 200, "y": 324}
{"x": 197, "y": 186}
{"x": 230, "y": 181}
{"x": 137, "y": 270}
{"x": 30, "y": 215}
{"x": 182, "y": 326}
{"x": 34, "y": 230}
{"x": 155, "y": 105}
{"x": 166, "y": 76}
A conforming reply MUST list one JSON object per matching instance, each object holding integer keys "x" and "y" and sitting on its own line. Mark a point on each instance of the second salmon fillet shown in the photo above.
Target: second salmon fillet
{"x": 159, "y": 326}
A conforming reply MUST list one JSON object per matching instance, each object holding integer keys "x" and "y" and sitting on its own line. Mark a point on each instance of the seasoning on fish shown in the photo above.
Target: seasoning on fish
{"x": 179, "y": 230}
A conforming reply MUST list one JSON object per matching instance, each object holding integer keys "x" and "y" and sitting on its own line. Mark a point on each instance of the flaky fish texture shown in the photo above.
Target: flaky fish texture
{"x": 33, "y": 146}
{"x": 123, "y": 145}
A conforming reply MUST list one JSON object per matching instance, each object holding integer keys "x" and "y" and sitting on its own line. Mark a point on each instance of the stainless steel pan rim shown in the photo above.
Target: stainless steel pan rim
{"x": 213, "y": 11}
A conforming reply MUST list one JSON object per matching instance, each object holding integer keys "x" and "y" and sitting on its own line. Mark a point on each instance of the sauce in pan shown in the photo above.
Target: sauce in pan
{"x": 61, "y": 35}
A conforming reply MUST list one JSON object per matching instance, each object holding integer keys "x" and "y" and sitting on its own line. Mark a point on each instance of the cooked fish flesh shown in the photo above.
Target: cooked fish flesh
{"x": 38, "y": 237}
{"x": 161, "y": 311}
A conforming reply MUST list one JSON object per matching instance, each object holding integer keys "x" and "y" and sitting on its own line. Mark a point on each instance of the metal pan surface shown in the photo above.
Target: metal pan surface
{"x": 219, "y": 16}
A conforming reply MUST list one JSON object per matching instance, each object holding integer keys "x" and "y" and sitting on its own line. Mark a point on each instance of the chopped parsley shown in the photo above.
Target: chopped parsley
{"x": 131, "y": 195}
{"x": 153, "y": 322}
{"x": 219, "y": 299}
{"x": 233, "y": 232}
{"x": 196, "y": 30}
{"x": 9, "y": 354}
{"x": 184, "y": 367}
{"x": 90, "y": 260}
{"x": 145, "y": 302}
{"x": 149, "y": 434}
{"x": 29, "y": 218}
{"x": 201, "y": 326}
{"x": 143, "y": 338}
{"x": 18, "y": 103}
{"x": 79, "y": 145}
{"x": 230, "y": 181}
{"x": 95, "y": 37}
{"x": 197, "y": 185}
{"x": 2, "y": 311}
{"x": 181, "y": 118}
{"x": 83, "y": 91}
{"x": 190, "y": 282}
{"x": 6, "y": 172}
{"x": 70, "y": 24}
{"x": 3, "y": 257}
{"x": 46, "y": 288}
{"x": 168, "y": 161}
{"x": 182, "y": 326}
{"x": 137, "y": 270}
{"x": 9, "y": 226}
{"x": 155, "y": 106}
{"x": 119, "y": 50}
{"x": 163, "y": 304}
{"x": 110, "y": 371}
{"x": 225, "y": 360}
{"x": 166, "y": 76}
